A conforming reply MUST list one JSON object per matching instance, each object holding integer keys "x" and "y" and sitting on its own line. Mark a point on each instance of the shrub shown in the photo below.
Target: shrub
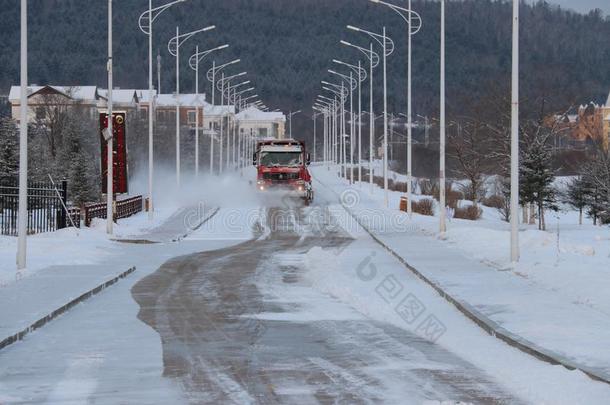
{"x": 428, "y": 187}
{"x": 470, "y": 212}
{"x": 423, "y": 207}
{"x": 399, "y": 186}
{"x": 494, "y": 201}
{"x": 452, "y": 197}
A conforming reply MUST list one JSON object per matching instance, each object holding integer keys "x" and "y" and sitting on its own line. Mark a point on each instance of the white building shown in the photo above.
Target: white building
{"x": 261, "y": 124}
{"x": 41, "y": 98}
{"x": 212, "y": 116}
{"x": 122, "y": 99}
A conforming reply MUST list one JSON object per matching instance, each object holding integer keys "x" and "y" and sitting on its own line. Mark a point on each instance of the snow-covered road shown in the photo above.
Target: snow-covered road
{"x": 244, "y": 325}
{"x": 273, "y": 302}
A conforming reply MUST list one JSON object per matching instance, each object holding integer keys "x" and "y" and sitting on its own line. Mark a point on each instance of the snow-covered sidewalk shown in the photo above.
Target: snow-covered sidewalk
{"x": 540, "y": 311}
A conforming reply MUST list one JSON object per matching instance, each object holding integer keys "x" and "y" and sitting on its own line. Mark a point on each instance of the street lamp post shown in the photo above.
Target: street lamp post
{"x": 443, "y": 223}
{"x": 173, "y": 46}
{"x": 361, "y": 78}
{"x": 334, "y": 111}
{"x": 23, "y": 144}
{"x": 145, "y": 23}
{"x": 374, "y": 60}
{"x": 414, "y": 24}
{"x": 352, "y": 86}
{"x": 290, "y": 122}
{"x": 387, "y": 48}
{"x": 221, "y": 85}
{"x": 211, "y": 75}
{"x": 194, "y": 61}
{"x": 341, "y": 92}
{"x": 109, "y": 141}
{"x": 514, "y": 144}
{"x": 327, "y": 105}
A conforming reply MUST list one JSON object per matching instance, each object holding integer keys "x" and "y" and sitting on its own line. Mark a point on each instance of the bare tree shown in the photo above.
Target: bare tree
{"x": 468, "y": 146}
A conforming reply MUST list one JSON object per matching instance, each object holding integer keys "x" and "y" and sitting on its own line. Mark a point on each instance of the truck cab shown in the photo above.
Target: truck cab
{"x": 282, "y": 165}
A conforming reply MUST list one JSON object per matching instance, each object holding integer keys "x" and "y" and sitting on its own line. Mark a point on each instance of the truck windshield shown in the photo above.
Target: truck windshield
{"x": 280, "y": 159}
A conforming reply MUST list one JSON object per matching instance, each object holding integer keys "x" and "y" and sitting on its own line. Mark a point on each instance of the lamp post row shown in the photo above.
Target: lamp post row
{"x": 326, "y": 107}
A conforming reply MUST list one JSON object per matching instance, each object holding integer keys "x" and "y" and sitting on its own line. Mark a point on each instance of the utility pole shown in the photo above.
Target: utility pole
{"x": 23, "y": 144}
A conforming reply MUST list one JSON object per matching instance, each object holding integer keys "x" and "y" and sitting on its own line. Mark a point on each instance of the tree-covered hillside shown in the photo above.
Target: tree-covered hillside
{"x": 286, "y": 47}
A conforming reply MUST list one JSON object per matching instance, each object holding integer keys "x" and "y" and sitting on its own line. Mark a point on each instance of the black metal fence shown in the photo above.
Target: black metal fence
{"x": 46, "y": 212}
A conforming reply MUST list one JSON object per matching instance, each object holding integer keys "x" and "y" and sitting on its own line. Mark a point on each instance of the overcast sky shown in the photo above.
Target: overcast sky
{"x": 583, "y": 6}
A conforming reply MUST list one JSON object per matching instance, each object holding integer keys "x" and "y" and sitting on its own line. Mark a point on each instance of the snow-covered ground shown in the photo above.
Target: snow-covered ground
{"x": 102, "y": 353}
{"x": 91, "y": 245}
{"x": 363, "y": 277}
{"x": 569, "y": 258}
{"x": 99, "y": 351}
{"x": 554, "y": 297}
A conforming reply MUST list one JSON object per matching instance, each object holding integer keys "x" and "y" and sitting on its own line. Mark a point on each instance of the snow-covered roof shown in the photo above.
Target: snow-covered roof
{"x": 121, "y": 96}
{"x": 217, "y": 110}
{"x": 81, "y": 93}
{"x": 187, "y": 100}
{"x": 254, "y": 114}
{"x": 143, "y": 95}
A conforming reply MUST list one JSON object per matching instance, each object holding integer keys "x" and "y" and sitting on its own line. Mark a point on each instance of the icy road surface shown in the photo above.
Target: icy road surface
{"x": 243, "y": 325}
{"x": 273, "y": 302}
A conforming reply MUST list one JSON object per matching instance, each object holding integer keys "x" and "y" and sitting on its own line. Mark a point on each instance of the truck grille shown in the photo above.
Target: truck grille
{"x": 280, "y": 176}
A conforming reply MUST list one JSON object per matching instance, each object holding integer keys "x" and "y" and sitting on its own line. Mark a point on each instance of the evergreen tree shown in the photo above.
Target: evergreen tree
{"x": 577, "y": 196}
{"x": 76, "y": 164}
{"x": 9, "y": 147}
{"x": 596, "y": 181}
{"x": 536, "y": 179}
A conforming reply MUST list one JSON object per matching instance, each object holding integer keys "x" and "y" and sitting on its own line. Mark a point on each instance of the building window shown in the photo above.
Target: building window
{"x": 191, "y": 117}
{"x": 262, "y": 132}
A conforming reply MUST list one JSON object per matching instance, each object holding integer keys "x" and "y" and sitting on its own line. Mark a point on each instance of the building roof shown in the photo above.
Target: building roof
{"x": 121, "y": 96}
{"x": 143, "y": 95}
{"x": 254, "y": 114}
{"x": 80, "y": 93}
{"x": 188, "y": 100}
{"x": 217, "y": 110}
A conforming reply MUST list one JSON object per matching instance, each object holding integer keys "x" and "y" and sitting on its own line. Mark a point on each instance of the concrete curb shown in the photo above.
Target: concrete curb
{"x": 59, "y": 311}
{"x": 191, "y": 230}
{"x": 489, "y": 326}
{"x": 178, "y": 238}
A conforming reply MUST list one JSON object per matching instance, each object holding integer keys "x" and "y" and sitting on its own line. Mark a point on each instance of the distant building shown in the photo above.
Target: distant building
{"x": 122, "y": 99}
{"x": 593, "y": 124}
{"x": 261, "y": 124}
{"x": 165, "y": 108}
{"x": 587, "y": 125}
{"x": 42, "y": 98}
{"x": 213, "y": 115}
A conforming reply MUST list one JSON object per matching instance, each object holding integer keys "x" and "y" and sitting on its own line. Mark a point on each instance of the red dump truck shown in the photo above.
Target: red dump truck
{"x": 282, "y": 165}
